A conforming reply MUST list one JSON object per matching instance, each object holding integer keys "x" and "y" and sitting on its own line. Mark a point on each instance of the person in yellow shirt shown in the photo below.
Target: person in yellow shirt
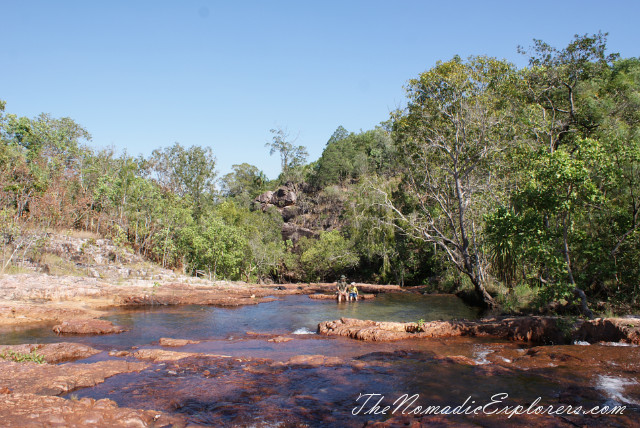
{"x": 353, "y": 291}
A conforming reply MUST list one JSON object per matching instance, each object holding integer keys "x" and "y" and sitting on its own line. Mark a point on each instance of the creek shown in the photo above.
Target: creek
{"x": 263, "y": 383}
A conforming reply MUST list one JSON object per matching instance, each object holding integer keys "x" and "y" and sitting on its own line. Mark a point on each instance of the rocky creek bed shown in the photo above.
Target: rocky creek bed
{"x": 206, "y": 354}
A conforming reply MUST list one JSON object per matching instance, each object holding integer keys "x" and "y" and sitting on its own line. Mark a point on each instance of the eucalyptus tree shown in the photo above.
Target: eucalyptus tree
{"x": 291, "y": 156}
{"x": 451, "y": 137}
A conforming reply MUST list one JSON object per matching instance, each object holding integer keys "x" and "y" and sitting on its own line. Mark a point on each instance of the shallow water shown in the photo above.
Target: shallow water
{"x": 255, "y": 389}
{"x": 289, "y": 314}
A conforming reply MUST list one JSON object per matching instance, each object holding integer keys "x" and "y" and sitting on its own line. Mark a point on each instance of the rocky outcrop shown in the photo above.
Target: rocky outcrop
{"x": 31, "y": 410}
{"x": 295, "y": 232}
{"x": 87, "y": 326}
{"x": 545, "y": 330}
{"x": 53, "y": 353}
{"x": 284, "y": 196}
{"x": 47, "y": 379}
{"x": 610, "y": 330}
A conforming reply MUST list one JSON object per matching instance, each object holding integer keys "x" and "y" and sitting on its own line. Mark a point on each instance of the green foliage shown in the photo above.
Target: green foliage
{"x": 214, "y": 247}
{"x": 327, "y": 256}
{"x": 244, "y": 183}
{"x": 350, "y": 156}
{"x": 291, "y": 156}
{"x": 21, "y": 357}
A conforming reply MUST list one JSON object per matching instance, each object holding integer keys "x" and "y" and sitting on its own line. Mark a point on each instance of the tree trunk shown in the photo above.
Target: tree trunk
{"x": 579, "y": 293}
{"x": 482, "y": 293}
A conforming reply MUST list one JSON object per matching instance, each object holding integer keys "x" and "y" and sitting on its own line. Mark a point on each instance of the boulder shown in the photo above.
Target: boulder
{"x": 294, "y": 233}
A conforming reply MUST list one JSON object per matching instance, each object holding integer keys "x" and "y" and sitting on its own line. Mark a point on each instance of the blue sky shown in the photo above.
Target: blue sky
{"x": 144, "y": 74}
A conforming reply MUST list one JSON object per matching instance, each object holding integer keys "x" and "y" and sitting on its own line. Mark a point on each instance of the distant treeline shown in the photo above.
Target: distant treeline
{"x": 523, "y": 184}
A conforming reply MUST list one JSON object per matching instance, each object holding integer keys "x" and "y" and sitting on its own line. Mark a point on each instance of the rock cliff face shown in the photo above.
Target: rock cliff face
{"x": 305, "y": 213}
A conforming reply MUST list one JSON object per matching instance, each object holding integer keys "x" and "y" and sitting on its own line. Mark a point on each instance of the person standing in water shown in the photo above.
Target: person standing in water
{"x": 342, "y": 288}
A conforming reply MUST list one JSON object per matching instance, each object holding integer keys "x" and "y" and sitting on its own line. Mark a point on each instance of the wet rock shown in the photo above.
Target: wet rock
{"x": 116, "y": 353}
{"x": 311, "y": 360}
{"x": 87, "y": 326}
{"x": 30, "y": 410}
{"x": 609, "y": 330}
{"x": 54, "y": 353}
{"x": 280, "y": 339}
{"x": 164, "y": 355}
{"x": 530, "y": 329}
{"x": 333, "y": 296}
{"x": 46, "y": 379}
{"x": 165, "y": 341}
{"x": 540, "y": 330}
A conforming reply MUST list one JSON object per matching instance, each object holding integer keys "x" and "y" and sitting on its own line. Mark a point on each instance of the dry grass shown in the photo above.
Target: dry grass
{"x": 59, "y": 266}
{"x": 80, "y": 234}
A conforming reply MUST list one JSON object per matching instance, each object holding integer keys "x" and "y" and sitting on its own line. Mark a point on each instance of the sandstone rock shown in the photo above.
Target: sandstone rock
{"x": 294, "y": 233}
{"x": 165, "y": 341}
{"x": 87, "y": 326}
{"x": 333, "y": 296}
{"x": 54, "y": 353}
{"x": 290, "y": 212}
{"x": 31, "y": 410}
{"x": 265, "y": 198}
{"x": 283, "y": 197}
{"x": 543, "y": 330}
{"x": 164, "y": 355}
{"x": 280, "y": 339}
{"x": 47, "y": 379}
{"x": 311, "y": 360}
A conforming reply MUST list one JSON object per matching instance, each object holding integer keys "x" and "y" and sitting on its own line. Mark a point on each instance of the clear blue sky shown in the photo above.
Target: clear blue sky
{"x": 144, "y": 74}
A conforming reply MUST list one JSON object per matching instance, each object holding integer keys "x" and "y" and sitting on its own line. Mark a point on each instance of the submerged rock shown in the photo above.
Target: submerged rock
{"x": 166, "y": 341}
{"x": 87, "y": 326}
{"x": 280, "y": 339}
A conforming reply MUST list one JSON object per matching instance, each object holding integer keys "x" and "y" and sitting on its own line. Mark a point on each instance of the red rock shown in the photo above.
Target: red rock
{"x": 166, "y": 341}
{"x": 54, "y": 353}
{"x": 87, "y": 326}
{"x": 280, "y": 339}
{"x": 47, "y": 379}
{"x": 31, "y": 410}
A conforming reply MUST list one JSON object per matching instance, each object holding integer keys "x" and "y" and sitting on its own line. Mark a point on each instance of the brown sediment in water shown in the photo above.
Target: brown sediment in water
{"x": 527, "y": 328}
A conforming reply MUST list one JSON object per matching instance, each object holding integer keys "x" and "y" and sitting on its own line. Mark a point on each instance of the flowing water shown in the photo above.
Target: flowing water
{"x": 258, "y": 388}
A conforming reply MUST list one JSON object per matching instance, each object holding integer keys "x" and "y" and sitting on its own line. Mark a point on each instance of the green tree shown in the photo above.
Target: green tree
{"x": 454, "y": 130}
{"x": 187, "y": 172}
{"x": 244, "y": 183}
{"x": 330, "y": 254}
{"x": 291, "y": 156}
